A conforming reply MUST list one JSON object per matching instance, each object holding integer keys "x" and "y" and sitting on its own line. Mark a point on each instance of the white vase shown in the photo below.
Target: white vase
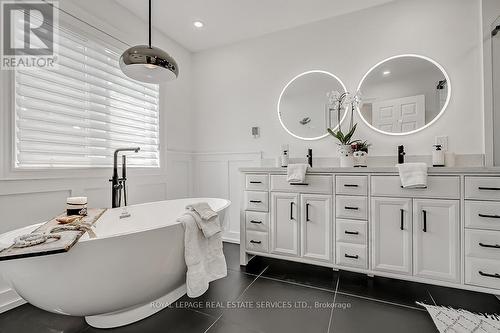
{"x": 346, "y": 158}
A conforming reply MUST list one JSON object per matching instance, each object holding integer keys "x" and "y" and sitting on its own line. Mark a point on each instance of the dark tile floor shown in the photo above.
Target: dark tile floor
{"x": 278, "y": 296}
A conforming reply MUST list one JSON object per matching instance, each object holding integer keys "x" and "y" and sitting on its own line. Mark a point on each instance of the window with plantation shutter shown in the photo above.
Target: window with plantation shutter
{"x": 77, "y": 114}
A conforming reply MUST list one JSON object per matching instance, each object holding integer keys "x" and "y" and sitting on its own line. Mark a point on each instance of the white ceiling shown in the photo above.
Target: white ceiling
{"x": 229, "y": 21}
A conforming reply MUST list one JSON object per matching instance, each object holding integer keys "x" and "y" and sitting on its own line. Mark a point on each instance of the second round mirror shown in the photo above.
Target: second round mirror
{"x": 404, "y": 94}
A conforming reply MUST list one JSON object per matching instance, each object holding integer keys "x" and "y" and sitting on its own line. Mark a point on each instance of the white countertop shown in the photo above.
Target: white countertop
{"x": 431, "y": 170}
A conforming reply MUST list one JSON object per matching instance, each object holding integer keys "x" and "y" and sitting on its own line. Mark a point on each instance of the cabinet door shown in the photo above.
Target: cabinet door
{"x": 436, "y": 245}
{"x": 392, "y": 235}
{"x": 285, "y": 223}
{"x": 315, "y": 226}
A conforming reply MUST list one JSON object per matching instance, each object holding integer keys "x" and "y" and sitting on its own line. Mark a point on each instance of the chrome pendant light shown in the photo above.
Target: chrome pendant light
{"x": 147, "y": 63}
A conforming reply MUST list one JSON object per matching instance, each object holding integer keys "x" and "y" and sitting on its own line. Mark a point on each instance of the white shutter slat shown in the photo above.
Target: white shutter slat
{"x": 78, "y": 114}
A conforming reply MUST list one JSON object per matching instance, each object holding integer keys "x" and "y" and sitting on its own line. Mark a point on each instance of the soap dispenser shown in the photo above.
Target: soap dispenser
{"x": 284, "y": 156}
{"x": 438, "y": 156}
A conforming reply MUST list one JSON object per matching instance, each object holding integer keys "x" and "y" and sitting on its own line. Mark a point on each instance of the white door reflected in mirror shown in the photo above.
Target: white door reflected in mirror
{"x": 404, "y": 94}
{"x": 303, "y": 105}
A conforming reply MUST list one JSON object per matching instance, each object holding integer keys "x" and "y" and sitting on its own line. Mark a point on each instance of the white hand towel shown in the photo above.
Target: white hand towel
{"x": 413, "y": 175}
{"x": 204, "y": 257}
{"x": 208, "y": 227}
{"x": 202, "y": 208}
{"x": 296, "y": 173}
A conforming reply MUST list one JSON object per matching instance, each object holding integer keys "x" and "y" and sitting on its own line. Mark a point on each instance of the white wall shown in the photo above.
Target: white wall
{"x": 28, "y": 197}
{"x": 490, "y": 12}
{"x": 237, "y": 86}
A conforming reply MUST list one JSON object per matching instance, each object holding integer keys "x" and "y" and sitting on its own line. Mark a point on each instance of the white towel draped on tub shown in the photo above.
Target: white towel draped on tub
{"x": 413, "y": 175}
{"x": 205, "y": 260}
{"x": 209, "y": 222}
{"x": 202, "y": 208}
{"x": 296, "y": 173}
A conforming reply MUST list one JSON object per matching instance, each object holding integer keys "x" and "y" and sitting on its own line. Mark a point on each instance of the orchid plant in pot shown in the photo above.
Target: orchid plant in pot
{"x": 338, "y": 102}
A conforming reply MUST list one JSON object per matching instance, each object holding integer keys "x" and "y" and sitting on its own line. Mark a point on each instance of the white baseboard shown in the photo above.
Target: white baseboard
{"x": 9, "y": 300}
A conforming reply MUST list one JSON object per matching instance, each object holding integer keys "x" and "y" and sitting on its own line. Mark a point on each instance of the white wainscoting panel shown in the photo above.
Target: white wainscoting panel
{"x": 179, "y": 175}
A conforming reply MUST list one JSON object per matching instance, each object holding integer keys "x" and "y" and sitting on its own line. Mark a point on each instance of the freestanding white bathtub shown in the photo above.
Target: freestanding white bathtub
{"x": 133, "y": 269}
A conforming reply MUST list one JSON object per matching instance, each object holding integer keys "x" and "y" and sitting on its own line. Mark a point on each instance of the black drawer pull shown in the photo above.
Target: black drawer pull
{"x": 291, "y": 210}
{"x": 489, "y": 188}
{"x": 496, "y": 246}
{"x": 425, "y": 220}
{"x": 416, "y": 188}
{"x": 496, "y": 275}
{"x": 255, "y": 182}
{"x": 255, "y": 201}
{"x": 352, "y": 257}
{"x": 489, "y": 216}
{"x": 307, "y": 212}
{"x": 303, "y": 184}
{"x": 402, "y": 219}
{"x": 351, "y": 185}
{"x": 255, "y": 242}
{"x": 351, "y": 208}
{"x": 351, "y": 232}
{"x": 256, "y": 222}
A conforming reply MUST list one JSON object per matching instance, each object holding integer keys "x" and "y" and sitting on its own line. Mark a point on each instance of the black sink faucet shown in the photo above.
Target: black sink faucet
{"x": 118, "y": 184}
{"x": 401, "y": 154}
{"x": 310, "y": 157}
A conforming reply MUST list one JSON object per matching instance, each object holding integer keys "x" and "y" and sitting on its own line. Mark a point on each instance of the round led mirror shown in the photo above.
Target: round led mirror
{"x": 303, "y": 105}
{"x": 404, "y": 94}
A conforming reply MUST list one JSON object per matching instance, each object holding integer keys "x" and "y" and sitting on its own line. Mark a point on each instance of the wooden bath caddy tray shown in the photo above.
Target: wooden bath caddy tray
{"x": 68, "y": 238}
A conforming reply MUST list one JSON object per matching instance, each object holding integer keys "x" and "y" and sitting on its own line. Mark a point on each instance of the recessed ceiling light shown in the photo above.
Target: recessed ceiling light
{"x": 198, "y": 24}
{"x": 386, "y": 72}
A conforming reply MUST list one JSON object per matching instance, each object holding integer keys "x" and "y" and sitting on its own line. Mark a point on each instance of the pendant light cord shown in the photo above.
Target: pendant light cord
{"x": 149, "y": 23}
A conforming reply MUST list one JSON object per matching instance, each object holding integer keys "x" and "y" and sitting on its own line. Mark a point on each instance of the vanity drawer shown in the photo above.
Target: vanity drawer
{"x": 349, "y": 207}
{"x": 351, "y": 185}
{"x": 312, "y": 184}
{"x": 257, "y": 241}
{"x": 257, "y": 221}
{"x": 257, "y": 182}
{"x": 482, "y": 272}
{"x": 483, "y": 244}
{"x": 257, "y": 201}
{"x": 351, "y": 231}
{"x": 482, "y": 214}
{"x": 442, "y": 187}
{"x": 353, "y": 255}
{"x": 482, "y": 188}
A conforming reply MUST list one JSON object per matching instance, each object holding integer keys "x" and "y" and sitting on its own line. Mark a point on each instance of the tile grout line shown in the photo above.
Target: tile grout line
{"x": 381, "y": 301}
{"x": 239, "y": 297}
{"x": 333, "y": 307}
{"x": 298, "y": 284}
{"x": 258, "y": 276}
{"x": 432, "y": 298}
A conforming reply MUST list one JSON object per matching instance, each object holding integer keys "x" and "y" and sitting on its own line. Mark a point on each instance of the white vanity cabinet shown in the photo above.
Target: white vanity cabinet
{"x": 285, "y": 223}
{"x": 362, "y": 220}
{"x": 436, "y": 239}
{"x": 418, "y": 235}
{"x": 315, "y": 222}
{"x": 482, "y": 231}
{"x": 392, "y": 231}
{"x": 301, "y": 225}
